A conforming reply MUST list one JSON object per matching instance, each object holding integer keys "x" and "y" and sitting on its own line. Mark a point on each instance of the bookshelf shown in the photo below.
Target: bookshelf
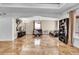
{"x": 63, "y": 30}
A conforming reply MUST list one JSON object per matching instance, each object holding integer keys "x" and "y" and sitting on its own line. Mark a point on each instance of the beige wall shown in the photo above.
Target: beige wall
{"x": 29, "y": 27}
{"x": 48, "y": 25}
{"x": 14, "y": 32}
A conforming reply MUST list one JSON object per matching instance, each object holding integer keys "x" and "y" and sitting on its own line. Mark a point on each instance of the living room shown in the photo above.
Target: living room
{"x": 25, "y": 32}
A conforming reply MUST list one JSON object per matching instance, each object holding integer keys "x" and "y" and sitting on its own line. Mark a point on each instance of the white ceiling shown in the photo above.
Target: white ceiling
{"x": 33, "y": 5}
{"x": 35, "y": 9}
{"x": 39, "y": 18}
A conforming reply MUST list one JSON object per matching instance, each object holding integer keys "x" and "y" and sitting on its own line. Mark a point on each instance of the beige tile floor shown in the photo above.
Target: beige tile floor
{"x": 25, "y": 46}
{"x": 48, "y": 46}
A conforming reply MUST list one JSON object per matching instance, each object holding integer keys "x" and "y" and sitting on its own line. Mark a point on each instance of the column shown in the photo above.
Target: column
{"x": 72, "y": 19}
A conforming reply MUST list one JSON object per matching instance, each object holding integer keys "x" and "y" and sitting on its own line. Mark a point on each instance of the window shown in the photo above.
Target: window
{"x": 37, "y": 25}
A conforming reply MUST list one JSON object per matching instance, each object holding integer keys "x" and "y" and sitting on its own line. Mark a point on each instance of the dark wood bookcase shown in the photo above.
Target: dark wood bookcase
{"x": 63, "y": 30}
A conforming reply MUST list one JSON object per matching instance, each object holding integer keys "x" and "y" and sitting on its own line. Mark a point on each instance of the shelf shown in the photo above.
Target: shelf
{"x": 63, "y": 30}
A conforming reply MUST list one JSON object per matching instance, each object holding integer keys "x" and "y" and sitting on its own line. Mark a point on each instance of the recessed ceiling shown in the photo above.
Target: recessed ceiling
{"x": 33, "y": 5}
{"x": 35, "y": 9}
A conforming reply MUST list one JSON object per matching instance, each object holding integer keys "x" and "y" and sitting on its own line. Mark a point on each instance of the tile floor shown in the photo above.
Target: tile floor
{"x": 25, "y": 46}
